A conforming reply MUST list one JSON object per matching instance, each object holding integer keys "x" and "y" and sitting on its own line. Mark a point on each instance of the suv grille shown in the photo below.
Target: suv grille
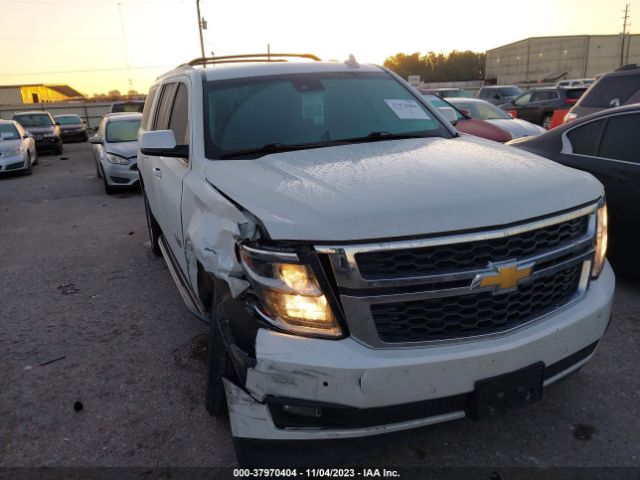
{"x": 470, "y": 315}
{"x": 469, "y": 255}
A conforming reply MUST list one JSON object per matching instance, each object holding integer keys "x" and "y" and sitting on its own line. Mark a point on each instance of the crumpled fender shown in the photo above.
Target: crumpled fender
{"x": 212, "y": 227}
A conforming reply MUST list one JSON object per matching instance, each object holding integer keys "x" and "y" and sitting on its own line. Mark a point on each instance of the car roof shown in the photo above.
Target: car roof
{"x": 5, "y": 122}
{"x": 32, "y": 112}
{"x": 67, "y": 115}
{"x": 123, "y": 116}
{"x": 225, "y": 71}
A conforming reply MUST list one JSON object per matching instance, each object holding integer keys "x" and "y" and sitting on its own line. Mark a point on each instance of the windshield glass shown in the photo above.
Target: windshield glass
{"x": 483, "y": 110}
{"x": 510, "y": 91}
{"x": 454, "y": 94}
{"x": 438, "y": 102}
{"x": 8, "y": 131}
{"x": 122, "y": 131}
{"x": 33, "y": 120}
{"x": 311, "y": 110}
{"x": 68, "y": 119}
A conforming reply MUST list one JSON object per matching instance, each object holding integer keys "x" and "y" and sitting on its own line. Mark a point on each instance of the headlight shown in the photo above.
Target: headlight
{"x": 13, "y": 151}
{"x": 117, "y": 160}
{"x": 602, "y": 238}
{"x": 290, "y": 294}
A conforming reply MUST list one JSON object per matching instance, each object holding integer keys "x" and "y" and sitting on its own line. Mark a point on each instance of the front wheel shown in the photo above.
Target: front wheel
{"x": 28, "y": 171}
{"x": 108, "y": 189}
{"x": 219, "y": 364}
{"x": 153, "y": 228}
{"x": 59, "y": 149}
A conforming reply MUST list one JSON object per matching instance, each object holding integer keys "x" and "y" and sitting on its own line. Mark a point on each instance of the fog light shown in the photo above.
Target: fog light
{"x": 303, "y": 411}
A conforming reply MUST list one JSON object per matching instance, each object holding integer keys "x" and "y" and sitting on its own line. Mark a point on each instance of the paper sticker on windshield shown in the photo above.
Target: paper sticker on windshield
{"x": 313, "y": 107}
{"x": 407, "y": 110}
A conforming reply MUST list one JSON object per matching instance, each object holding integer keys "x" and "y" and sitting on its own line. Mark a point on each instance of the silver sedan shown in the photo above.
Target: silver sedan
{"x": 17, "y": 148}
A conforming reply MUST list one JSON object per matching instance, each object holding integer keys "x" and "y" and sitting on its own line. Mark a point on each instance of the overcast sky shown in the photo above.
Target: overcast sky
{"x": 92, "y": 42}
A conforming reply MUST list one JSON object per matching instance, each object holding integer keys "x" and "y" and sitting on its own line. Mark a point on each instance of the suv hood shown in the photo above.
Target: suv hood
{"x": 399, "y": 188}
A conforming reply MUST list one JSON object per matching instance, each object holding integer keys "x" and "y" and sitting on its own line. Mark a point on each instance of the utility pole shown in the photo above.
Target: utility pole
{"x": 624, "y": 32}
{"x": 201, "y": 24}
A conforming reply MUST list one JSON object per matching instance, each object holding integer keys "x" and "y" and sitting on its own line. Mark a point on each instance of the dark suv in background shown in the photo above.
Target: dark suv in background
{"x": 46, "y": 132}
{"x": 498, "y": 94}
{"x": 621, "y": 87}
{"x": 538, "y": 104}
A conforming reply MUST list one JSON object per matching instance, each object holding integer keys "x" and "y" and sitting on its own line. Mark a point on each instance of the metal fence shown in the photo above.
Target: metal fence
{"x": 90, "y": 112}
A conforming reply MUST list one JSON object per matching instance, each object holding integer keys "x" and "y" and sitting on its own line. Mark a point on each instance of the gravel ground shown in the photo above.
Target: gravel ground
{"x": 89, "y": 315}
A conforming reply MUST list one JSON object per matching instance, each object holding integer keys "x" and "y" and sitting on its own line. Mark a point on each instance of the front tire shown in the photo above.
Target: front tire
{"x": 152, "y": 228}
{"x": 108, "y": 189}
{"x": 59, "y": 149}
{"x": 28, "y": 170}
{"x": 219, "y": 364}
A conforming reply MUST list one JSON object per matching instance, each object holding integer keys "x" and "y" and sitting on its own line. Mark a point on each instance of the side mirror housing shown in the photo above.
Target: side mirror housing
{"x": 449, "y": 113}
{"x": 162, "y": 143}
{"x": 95, "y": 139}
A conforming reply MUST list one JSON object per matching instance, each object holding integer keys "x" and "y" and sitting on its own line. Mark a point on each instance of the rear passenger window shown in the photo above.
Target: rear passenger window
{"x": 584, "y": 139}
{"x": 179, "y": 122}
{"x": 164, "y": 107}
{"x": 146, "y": 111}
{"x": 621, "y": 140}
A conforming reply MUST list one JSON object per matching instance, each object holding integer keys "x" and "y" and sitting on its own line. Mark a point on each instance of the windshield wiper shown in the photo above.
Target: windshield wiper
{"x": 377, "y": 136}
{"x": 263, "y": 150}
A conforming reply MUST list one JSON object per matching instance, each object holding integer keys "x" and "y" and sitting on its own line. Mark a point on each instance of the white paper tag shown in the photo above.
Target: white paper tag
{"x": 407, "y": 110}
{"x": 313, "y": 107}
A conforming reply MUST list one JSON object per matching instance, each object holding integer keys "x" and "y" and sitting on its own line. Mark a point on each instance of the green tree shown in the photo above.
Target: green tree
{"x": 438, "y": 67}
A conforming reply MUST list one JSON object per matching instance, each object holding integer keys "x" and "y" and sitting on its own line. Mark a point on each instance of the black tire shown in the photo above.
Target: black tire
{"x": 108, "y": 189}
{"x": 59, "y": 149}
{"x": 546, "y": 121}
{"x": 152, "y": 228}
{"x": 37, "y": 160}
{"x": 219, "y": 363}
{"x": 98, "y": 171}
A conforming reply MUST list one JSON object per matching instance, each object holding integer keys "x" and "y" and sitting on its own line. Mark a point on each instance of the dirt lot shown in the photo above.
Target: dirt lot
{"x": 89, "y": 315}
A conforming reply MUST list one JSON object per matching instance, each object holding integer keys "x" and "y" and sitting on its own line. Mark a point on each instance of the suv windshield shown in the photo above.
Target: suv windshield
{"x": 68, "y": 119}
{"x": 509, "y": 91}
{"x": 33, "y": 120}
{"x": 311, "y": 110}
{"x": 122, "y": 131}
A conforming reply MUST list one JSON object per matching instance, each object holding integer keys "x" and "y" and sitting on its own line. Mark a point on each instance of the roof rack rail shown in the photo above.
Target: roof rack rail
{"x": 256, "y": 57}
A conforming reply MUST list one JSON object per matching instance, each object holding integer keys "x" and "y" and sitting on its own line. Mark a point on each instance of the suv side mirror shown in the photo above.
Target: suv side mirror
{"x": 162, "y": 143}
{"x": 95, "y": 139}
{"x": 449, "y": 113}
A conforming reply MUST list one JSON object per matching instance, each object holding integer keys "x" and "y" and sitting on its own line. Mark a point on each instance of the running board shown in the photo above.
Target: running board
{"x": 191, "y": 300}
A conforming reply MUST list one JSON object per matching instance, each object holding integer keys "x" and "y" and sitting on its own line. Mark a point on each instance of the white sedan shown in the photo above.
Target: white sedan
{"x": 488, "y": 112}
{"x": 17, "y": 148}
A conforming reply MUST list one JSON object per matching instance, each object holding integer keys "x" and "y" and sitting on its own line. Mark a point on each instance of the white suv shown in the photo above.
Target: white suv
{"x": 364, "y": 268}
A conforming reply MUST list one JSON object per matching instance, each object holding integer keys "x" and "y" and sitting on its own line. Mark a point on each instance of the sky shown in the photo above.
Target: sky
{"x": 100, "y": 45}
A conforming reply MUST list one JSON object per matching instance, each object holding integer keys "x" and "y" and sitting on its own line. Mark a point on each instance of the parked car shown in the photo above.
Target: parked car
{"x": 17, "y": 148}
{"x": 44, "y": 129}
{"x": 498, "y": 94}
{"x": 576, "y": 82}
{"x": 482, "y": 110}
{"x": 363, "y": 267}
{"x": 614, "y": 89}
{"x": 132, "y": 106}
{"x": 115, "y": 148}
{"x": 446, "y": 92}
{"x": 538, "y": 104}
{"x": 466, "y": 124}
{"x": 72, "y": 127}
{"x": 607, "y": 145}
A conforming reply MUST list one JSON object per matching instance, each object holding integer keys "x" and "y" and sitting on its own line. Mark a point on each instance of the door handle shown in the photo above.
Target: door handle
{"x": 157, "y": 172}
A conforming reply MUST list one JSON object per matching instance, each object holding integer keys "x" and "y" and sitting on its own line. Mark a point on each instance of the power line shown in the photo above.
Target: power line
{"x": 91, "y": 70}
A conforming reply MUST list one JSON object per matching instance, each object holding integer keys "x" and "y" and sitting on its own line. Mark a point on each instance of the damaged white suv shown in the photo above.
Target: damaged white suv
{"x": 364, "y": 267}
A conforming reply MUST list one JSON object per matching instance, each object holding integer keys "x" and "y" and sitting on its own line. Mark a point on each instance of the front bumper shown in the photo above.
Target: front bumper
{"x": 121, "y": 175}
{"x": 432, "y": 382}
{"x": 74, "y": 135}
{"x": 47, "y": 143}
{"x": 13, "y": 163}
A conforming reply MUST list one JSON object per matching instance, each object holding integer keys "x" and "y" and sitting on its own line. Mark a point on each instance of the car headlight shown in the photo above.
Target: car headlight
{"x": 111, "y": 158}
{"x": 602, "y": 239}
{"x": 13, "y": 151}
{"x": 291, "y": 296}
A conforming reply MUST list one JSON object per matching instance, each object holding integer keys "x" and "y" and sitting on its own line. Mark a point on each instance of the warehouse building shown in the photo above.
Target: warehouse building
{"x": 548, "y": 59}
{"x": 37, "y": 93}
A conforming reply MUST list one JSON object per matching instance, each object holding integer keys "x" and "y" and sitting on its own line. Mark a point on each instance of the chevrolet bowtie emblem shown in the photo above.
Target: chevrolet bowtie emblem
{"x": 504, "y": 277}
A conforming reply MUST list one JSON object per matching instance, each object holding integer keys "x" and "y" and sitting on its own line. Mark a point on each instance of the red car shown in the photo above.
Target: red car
{"x": 472, "y": 126}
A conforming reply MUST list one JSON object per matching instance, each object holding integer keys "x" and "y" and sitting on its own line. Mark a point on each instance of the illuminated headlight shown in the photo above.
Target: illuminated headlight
{"x": 13, "y": 151}
{"x": 117, "y": 160}
{"x": 602, "y": 238}
{"x": 290, "y": 294}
